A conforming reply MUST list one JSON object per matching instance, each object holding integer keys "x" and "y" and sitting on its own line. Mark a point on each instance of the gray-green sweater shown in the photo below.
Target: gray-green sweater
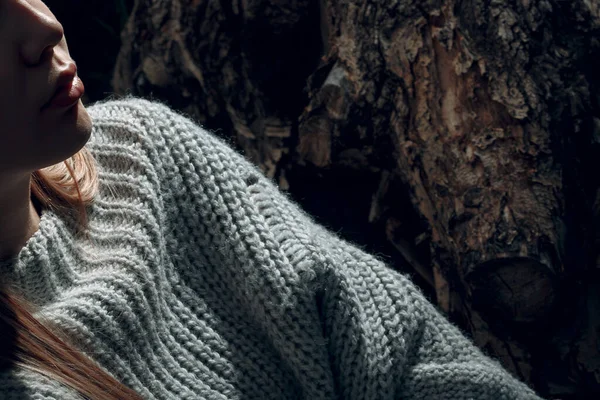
{"x": 201, "y": 280}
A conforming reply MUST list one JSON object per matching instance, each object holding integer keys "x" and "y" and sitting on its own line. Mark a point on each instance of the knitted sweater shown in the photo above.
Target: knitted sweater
{"x": 201, "y": 280}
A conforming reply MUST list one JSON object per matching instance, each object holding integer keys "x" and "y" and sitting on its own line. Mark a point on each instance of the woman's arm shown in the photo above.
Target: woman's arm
{"x": 385, "y": 340}
{"x": 344, "y": 323}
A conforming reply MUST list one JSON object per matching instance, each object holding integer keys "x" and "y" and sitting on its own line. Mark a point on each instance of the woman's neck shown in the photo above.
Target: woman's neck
{"x": 19, "y": 220}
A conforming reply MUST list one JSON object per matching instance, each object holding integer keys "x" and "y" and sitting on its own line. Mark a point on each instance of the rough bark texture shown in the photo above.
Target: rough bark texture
{"x": 460, "y": 138}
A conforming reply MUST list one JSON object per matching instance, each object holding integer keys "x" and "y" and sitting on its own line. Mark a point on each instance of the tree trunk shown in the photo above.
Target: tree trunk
{"x": 459, "y": 138}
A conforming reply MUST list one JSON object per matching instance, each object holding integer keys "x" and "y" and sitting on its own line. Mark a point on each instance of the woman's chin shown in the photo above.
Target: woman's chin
{"x": 83, "y": 120}
{"x": 77, "y": 125}
{"x": 64, "y": 136}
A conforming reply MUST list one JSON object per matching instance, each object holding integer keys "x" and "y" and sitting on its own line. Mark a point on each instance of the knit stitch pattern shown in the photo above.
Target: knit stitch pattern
{"x": 202, "y": 280}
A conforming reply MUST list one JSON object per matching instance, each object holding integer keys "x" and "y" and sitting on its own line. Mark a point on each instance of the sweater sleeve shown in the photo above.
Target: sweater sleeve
{"x": 412, "y": 343}
{"x": 376, "y": 334}
{"x": 385, "y": 340}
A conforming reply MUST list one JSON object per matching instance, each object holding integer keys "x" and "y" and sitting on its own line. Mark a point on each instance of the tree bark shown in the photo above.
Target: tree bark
{"x": 459, "y": 138}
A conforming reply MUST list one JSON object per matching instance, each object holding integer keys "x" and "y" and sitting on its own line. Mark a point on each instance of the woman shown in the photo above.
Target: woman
{"x": 132, "y": 237}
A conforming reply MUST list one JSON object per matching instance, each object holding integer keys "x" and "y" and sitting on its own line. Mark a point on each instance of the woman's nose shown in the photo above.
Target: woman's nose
{"x": 41, "y": 30}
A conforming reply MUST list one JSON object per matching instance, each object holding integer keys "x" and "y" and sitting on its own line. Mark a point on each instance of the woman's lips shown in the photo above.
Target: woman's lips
{"x": 68, "y": 94}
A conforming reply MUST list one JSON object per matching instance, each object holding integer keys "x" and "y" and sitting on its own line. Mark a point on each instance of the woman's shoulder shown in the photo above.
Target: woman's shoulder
{"x": 129, "y": 118}
{"x": 149, "y": 116}
{"x": 131, "y": 129}
{"x": 168, "y": 136}
{"x": 151, "y": 124}
{"x": 128, "y": 107}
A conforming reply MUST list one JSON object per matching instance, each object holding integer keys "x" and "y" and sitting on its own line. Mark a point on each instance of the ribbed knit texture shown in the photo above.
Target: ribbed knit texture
{"x": 203, "y": 281}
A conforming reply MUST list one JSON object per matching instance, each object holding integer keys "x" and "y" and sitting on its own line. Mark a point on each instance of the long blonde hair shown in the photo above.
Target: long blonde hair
{"x": 67, "y": 187}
